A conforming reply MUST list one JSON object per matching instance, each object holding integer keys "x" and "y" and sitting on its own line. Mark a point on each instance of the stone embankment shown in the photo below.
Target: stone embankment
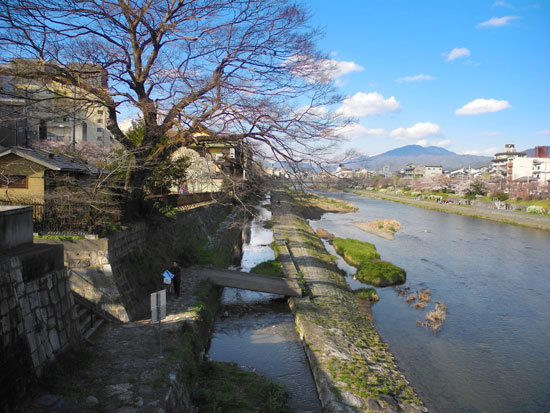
{"x": 353, "y": 369}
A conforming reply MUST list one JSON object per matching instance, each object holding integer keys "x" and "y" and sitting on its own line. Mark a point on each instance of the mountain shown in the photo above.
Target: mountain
{"x": 398, "y": 158}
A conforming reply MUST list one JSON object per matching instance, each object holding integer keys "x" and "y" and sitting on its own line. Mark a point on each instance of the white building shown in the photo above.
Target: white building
{"x": 502, "y": 162}
{"x": 431, "y": 170}
{"x": 535, "y": 169}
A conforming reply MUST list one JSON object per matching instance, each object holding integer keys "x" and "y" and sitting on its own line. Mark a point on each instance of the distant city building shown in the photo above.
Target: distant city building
{"x": 430, "y": 170}
{"x": 35, "y": 109}
{"x": 542, "y": 151}
{"x": 503, "y": 161}
{"x": 531, "y": 170}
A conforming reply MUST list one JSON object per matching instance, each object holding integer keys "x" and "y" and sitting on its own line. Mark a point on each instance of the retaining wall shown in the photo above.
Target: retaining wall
{"x": 119, "y": 272}
{"x": 37, "y": 316}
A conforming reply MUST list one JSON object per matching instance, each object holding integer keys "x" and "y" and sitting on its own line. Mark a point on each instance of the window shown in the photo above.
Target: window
{"x": 42, "y": 130}
{"x": 100, "y": 111}
{"x": 99, "y": 130}
{"x": 99, "y": 120}
{"x": 84, "y": 131}
{"x": 14, "y": 181}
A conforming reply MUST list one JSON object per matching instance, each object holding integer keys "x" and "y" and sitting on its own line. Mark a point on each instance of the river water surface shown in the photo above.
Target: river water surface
{"x": 256, "y": 330}
{"x": 493, "y": 352}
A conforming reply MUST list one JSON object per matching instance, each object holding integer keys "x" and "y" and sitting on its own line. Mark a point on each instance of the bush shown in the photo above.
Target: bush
{"x": 501, "y": 196}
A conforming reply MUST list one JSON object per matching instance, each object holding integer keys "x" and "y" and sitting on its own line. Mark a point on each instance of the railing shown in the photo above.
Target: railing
{"x": 63, "y": 217}
{"x": 71, "y": 218}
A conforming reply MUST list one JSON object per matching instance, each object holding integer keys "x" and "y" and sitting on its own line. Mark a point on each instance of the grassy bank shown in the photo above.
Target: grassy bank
{"x": 370, "y": 269}
{"x": 224, "y": 387}
{"x": 505, "y": 217}
{"x": 313, "y": 206}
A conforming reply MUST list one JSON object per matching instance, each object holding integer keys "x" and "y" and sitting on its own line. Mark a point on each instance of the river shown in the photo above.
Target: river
{"x": 493, "y": 352}
{"x": 257, "y": 331}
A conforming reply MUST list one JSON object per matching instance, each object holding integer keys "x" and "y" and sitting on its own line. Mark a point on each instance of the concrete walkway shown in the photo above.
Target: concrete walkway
{"x": 126, "y": 373}
{"x": 353, "y": 369}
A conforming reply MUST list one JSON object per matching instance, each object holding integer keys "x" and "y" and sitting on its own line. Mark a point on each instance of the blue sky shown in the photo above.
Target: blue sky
{"x": 468, "y": 75}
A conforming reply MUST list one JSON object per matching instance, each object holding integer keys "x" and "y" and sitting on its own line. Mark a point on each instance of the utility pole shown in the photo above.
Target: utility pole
{"x": 74, "y": 119}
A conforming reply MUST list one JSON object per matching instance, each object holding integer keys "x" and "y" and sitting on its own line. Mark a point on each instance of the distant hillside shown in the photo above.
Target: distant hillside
{"x": 398, "y": 158}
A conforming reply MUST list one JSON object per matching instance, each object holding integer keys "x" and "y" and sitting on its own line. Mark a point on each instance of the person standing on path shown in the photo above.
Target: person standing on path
{"x": 177, "y": 277}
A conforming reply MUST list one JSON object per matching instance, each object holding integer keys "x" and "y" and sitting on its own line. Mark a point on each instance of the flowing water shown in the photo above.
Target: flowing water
{"x": 256, "y": 330}
{"x": 493, "y": 352}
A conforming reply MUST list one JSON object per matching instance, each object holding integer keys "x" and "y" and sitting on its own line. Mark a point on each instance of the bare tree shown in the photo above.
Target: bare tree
{"x": 222, "y": 70}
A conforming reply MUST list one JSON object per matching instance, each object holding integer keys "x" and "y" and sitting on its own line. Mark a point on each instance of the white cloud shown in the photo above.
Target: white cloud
{"x": 498, "y": 21}
{"x": 544, "y": 132}
{"x": 479, "y": 106}
{"x": 421, "y": 130}
{"x": 503, "y": 4}
{"x": 486, "y": 152}
{"x": 491, "y": 133}
{"x": 341, "y": 68}
{"x": 456, "y": 53}
{"x": 422, "y": 142}
{"x": 365, "y": 104}
{"x": 444, "y": 142}
{"x": 415, "y": 78}
{"x": 356, "y": 131}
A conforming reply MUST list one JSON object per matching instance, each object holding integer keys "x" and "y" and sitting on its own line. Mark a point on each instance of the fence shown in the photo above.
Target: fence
{"x": 63, "y": 217}
{"x": 71, "y": 218}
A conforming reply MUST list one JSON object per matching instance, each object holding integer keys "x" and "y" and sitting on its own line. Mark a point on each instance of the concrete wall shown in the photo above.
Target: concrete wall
{"x": 15, "y": 226}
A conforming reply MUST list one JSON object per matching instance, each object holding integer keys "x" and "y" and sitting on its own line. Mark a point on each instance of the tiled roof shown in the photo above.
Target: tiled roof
{"x": 50, "y": 160}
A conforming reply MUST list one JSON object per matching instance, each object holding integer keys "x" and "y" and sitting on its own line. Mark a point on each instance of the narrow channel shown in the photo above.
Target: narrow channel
{"x": 257, "y": 331}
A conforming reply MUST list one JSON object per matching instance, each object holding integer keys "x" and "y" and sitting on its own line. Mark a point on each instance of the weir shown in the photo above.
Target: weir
{"x": 248, "y": 281}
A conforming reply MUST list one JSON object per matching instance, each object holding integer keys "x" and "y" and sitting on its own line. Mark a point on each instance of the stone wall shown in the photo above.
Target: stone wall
{"x": 15, "y": 226}
{"x": 119, "y": 273}
{"x": 38, "y": 319}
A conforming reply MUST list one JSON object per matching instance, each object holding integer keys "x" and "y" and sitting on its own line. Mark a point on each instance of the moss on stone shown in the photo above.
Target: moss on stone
{"x": 271, "y": 267}
{"x": 371, "y": 270}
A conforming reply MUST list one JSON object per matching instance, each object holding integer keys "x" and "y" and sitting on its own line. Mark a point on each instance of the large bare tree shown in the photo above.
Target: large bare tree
{"x": 238, "y": 70}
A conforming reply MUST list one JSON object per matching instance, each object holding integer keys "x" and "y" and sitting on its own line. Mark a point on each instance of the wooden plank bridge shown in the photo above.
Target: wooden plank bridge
{"x": 247, "y": 281}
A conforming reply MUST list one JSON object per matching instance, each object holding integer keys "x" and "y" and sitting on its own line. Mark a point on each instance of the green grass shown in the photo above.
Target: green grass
{"x": 369, "y": 294}
{"x": 223, "y": 387}
{"x": 272, "y": 267}
{"x": 364, "y": 256}
{"x": 355, "y": 252}
{"x": 381, "y": 273}
{"x": 60, "y": 237}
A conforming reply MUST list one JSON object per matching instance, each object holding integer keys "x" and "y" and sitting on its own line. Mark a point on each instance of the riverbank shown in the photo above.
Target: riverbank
{"x": 353, "y": 369}
{"x": 507, "y": 217}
